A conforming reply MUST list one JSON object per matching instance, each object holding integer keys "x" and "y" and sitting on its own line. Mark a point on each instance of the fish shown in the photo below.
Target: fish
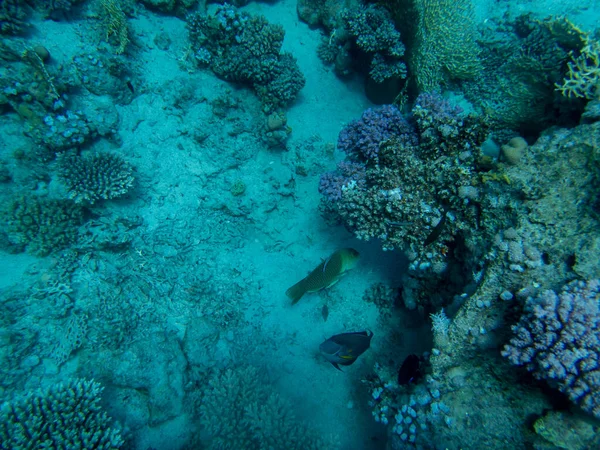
{"x": 325, "y": 312}
{"x": 325, "y": 274}
{"x": 343, "y": 349}
{"x": 437, "y": 230}
{"x": 410, "y": 370}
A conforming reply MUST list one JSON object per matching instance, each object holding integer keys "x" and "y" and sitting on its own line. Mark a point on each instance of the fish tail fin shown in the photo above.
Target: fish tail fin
{"x": 296, "y": 292}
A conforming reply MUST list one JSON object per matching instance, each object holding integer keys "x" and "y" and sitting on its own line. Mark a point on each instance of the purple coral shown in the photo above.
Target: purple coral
{"x": 363, "y": 137}
{"x": 558, "y": 338}
{"x": 332, "y": 184}
{"x": 437, "y": 119}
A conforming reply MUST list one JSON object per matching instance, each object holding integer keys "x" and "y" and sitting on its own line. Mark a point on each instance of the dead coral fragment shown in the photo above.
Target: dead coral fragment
{"x": 98, "y": 177}
{"x": 32, "y": 57}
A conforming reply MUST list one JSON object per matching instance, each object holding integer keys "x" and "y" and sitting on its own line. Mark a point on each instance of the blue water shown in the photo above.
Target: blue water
{"x": 168, "y": 169}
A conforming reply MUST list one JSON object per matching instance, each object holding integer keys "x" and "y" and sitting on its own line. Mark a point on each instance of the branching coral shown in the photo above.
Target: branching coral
{"x": 246, "y": 48}
{"x": 558, "y": 339}
{"x": 239, "y": 410}
{"x": 583, "y": 78}
{"x": 99, "y": 177}
{"x": 63, "y": 416}
{"x": 375, "y": 35}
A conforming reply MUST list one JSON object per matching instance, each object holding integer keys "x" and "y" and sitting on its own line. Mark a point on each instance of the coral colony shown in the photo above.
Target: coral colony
{"x": 208, "y": 207}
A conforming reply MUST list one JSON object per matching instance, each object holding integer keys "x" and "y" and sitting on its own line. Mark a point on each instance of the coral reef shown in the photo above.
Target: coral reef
{"x": 246, "y": 48}
{"x": 362, "y": 138}
{"x": 115, "y": 23}
{"x": 239, "y": 410}
{"x": 42, "y": 225}
{"x": 360, "y": 38}
{"x": 539, "y": 252}
{"x": 583, "y": 78}
{"x": 64, "y": 131}
{"x": 415, "y": 188}
{"x": 102, "y": 73}
{"x": 412, "y": 413}
{"x": 382, "y": 296}
{"x": 92, "y": 178}
{"x": 180, "y": 7}
{"x": 71, "y": 339}
{"x": 347, "y": 175}
{"x": 373, "y": 32}
{"x": 558, "y": 338}
{"x": 445, "y": 46}
{"x": 62, "y": 416}
{"x": 524, "y": 61}
{"x": 12, "y": 16}
{"x": 28, "y": 86}
{"x": 326, "y": 13}
{"x": 569, "y": 431}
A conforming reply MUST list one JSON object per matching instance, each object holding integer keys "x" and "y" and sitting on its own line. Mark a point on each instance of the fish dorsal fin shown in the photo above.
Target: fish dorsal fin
{"x": 326, "y": 262}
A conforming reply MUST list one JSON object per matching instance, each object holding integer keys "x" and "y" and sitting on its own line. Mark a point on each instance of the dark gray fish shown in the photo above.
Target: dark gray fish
{"x": 437, "y": 230}
{"x": 410, "y": 371}
{"x": 325, "y": 312}
{"x": 343, "y": 349}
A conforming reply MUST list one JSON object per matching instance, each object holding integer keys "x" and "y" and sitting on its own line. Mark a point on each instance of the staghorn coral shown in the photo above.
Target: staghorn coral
{"x": 558, "y": 339}
{"x": 98, "y": 177}
{"x": 62, "y": 416}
